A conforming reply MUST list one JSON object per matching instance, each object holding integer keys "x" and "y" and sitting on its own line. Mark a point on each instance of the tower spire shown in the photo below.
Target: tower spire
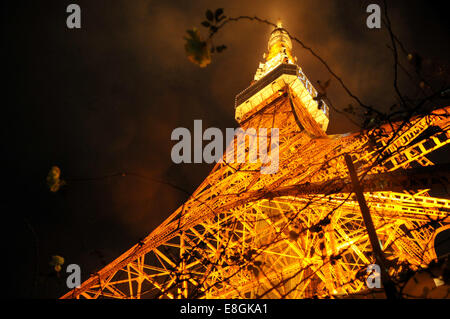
{"x": 278, "y": 71}
{"x": 279, "y": 24}
{"x": 279, "y": 51}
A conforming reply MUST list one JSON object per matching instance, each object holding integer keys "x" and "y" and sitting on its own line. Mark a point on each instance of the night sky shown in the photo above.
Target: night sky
{"x": 105, "y": 98}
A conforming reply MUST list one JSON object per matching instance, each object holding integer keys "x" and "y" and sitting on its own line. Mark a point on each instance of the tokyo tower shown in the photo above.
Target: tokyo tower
{"x": 299, "y": 232}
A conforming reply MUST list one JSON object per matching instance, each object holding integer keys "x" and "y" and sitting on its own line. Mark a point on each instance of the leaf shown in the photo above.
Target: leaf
{"x": 57, "y": 262}
{"x": 209, "y": 15}
{"x": 221, "y": 18}
{"x": 324, "y": 86}
{"x": 322, "y": 245}
{"x": 196, "y": 49}
{"x": 293, "y": 235}
{"x": 315, "y": 228}
{"x": 336, "y": 257}
{"x": 218, "y": 13}
{"x": 325, "y": 221}
{"x": 220, "y": 48}
{"x": 319, "y": 104}
{"x": 206, "y": 24}
{"x": 54, "y": 181}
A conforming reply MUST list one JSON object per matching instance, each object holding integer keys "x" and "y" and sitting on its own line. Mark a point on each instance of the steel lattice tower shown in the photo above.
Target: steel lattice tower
{"x": 299, "y": 232}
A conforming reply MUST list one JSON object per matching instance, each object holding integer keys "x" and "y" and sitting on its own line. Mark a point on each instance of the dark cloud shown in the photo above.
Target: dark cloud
{"x": 106, "y": 98}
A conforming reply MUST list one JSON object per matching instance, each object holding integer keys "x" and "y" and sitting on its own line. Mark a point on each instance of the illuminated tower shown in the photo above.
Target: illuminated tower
{"x": 298, "y": 232}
